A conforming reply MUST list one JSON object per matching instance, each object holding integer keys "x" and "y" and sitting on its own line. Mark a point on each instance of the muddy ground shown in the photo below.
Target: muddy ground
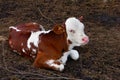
{"x": 99, "y": 60}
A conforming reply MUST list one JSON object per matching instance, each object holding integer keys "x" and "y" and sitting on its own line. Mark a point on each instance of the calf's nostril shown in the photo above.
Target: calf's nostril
{"x": 85, "y": 39}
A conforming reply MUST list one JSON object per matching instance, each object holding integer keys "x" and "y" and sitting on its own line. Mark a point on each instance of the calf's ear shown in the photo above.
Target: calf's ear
{"x": 58, "y": 29}
{"x": 81, "y": 18}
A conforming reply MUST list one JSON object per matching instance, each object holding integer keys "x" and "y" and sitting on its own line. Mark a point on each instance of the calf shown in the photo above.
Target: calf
{"x": 49, "y": 49}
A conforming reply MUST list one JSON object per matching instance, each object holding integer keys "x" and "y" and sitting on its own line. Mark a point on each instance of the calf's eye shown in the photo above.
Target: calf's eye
{"x": 72, "y": 31}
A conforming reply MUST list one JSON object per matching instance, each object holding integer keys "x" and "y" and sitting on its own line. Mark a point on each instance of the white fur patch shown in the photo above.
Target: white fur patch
{"x": 52, "y": 64}
{"x": 34, "y": 38}
{"x": 14, "y": 28}
{"x": 14, "y": 50}
{"x": 64, "y": 58}
{"x": 34, "y": 50}
{"x": 23, "y": 50}
{"x": 49, "y": 62}
{"x": 33, "y": 56}
{"x": 21, "y": 44}
{"x": 71, "y": 46}
{"x": 34, "y": 23}
{"x": 42, "y": 27}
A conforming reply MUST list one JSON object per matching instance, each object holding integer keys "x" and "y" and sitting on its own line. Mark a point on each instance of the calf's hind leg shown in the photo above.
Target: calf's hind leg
{"x": 42, "y": 61}
{"x": 55, "y": 65}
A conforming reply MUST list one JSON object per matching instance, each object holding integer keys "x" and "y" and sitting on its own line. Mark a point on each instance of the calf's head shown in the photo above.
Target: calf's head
{"x": 75, "y": 32}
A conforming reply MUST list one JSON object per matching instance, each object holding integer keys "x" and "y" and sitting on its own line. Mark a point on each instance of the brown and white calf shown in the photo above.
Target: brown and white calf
{"x": 49, "y": 49}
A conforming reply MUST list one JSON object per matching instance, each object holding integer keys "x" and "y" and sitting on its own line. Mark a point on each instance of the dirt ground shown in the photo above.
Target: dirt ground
{"x": 99, "y": 60}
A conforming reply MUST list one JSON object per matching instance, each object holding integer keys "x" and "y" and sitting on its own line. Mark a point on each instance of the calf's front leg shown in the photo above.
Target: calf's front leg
{"x": 64, "y": 58}
{"x": 74, "y": 54}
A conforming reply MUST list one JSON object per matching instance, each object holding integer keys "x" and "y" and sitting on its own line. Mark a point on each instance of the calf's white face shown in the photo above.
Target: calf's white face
{"x": 75, "y": 32}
